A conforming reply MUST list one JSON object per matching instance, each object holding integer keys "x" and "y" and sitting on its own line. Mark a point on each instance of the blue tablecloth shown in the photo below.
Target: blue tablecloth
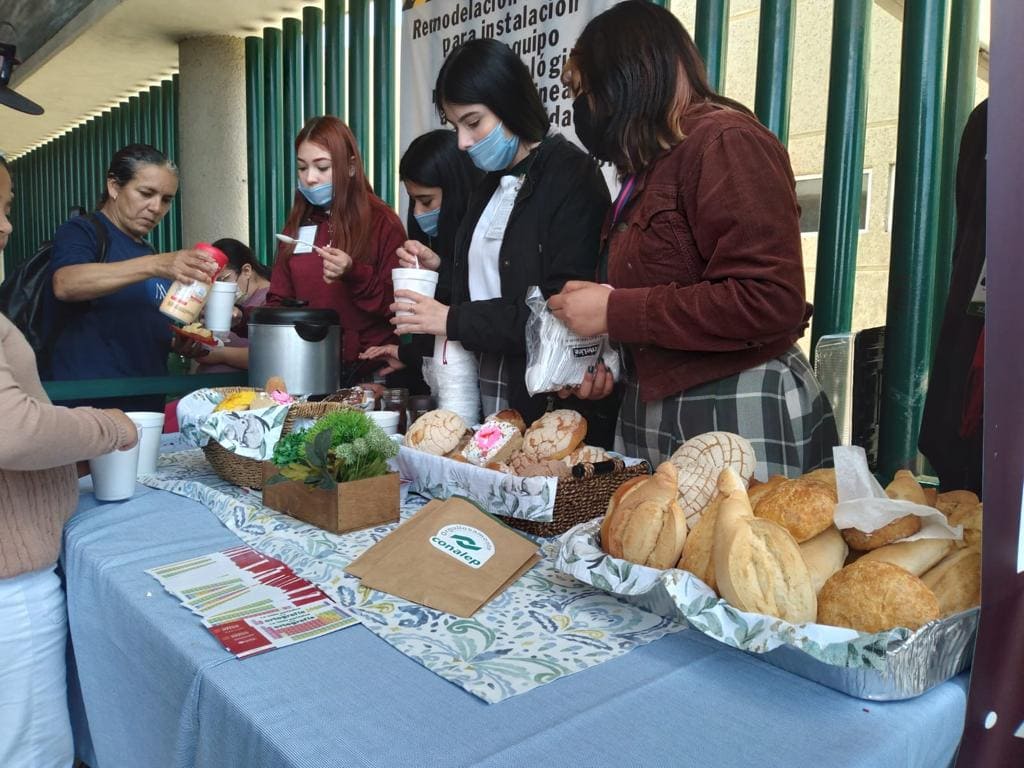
{"x": 155, "y": 688}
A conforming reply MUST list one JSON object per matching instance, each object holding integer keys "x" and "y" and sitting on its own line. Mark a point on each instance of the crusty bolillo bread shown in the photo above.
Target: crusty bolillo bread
{"x": 904, "y": 486}
{"x": 956, "y": 581}
{"x": 758, "y": 490}
{"x": 951, "y": 501}
{"x": 826, "y": 475}
{"x": 970, "y": 517}
{"x": 803, "y": 507}
{"x": 644, "y": 523}
{"x": 872, "y": 596}
{"x": 758, "y": 565}
{"x": 698, "y": 547}
{"x": 913, "y": 556}
{"x": 824, "y": 555}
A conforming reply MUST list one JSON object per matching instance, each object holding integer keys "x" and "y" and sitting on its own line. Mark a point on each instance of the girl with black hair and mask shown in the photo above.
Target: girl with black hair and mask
{"x": 439, "y": 179}
{"x": 702, "y": 247}
{"x": 115, "y": 328}
{"x": 534, "y": 220}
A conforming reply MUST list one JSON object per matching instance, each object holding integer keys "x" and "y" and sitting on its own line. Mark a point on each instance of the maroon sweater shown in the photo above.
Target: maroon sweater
{"x": 362, "y": 296}
{"x": 705, "y": 258}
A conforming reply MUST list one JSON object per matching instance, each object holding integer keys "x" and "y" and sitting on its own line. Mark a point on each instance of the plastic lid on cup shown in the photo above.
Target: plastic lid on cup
{"x": 214, "y": 253}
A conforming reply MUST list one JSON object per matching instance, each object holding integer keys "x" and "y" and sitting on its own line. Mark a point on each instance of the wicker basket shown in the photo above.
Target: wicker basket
{"x": 580, "y": 499}
{"x": 248, "y": 473}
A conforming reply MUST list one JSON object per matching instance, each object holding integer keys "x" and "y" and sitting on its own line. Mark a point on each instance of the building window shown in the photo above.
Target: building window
{"x": 808, "y": 196}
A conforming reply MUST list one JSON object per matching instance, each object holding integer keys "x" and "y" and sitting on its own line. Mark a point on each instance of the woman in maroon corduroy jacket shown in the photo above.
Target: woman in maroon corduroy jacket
{"x": 702, "y": 280}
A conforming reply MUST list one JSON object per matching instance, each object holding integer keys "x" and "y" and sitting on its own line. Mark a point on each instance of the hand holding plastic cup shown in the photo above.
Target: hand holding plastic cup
{"x": 421, "y": 281}
{"x": 220, "y": 306}
{"x": 113, "y": 474}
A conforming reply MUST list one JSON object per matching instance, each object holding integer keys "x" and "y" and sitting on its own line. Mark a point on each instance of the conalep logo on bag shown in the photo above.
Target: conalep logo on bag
{"x": 466, "y": 544}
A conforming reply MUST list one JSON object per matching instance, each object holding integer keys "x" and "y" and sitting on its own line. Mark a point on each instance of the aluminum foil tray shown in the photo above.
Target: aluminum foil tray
{"x": 885, "y": 666}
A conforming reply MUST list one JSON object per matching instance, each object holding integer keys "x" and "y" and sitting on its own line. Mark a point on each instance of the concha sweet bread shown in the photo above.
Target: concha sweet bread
{"x": 586, "y": 454}
{"x": 511, "y": 416}
{"x": 437, "y": 432}
{"x": 803, "y": 507}
{"x": 554, "y": 435}
{"x": 494, "y": 442}
{"x": 872, "y": 596}
{"x": 644, "y": 523}
{"x": 522, "y": 465}
{"x": 700, "y": 460}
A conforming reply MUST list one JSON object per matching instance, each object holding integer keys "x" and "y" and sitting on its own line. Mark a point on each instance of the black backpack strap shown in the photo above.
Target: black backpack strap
{"x": 102, "y": 239}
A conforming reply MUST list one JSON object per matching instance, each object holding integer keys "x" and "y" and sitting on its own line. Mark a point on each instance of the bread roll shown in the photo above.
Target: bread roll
{"x": 699, "y": 546}
{"x": 644, "y": 523}
{"x": 931, "y": 496}
{"x": 824, "y": 555}
{"x": 554, "y": 435}
{"x": 523, "y": 466}
{"x": 898, "y": 529}
{"x": 758, "y": 565}
{"x": 700, "y": 460}
{"x": 872, "y": 596}
{"x": 952, "y": 501}
{"x": 970, "y": 517}
{"x": 826, "y": 475}
{"x": 913, "y": 556}
{"x": 905, "y": 487}
{"x": 437, "y": 432}
{"x": 759, "y": 490}
{"x": 803, "y": 507}
{"x": 586, "y": 454}
{"x": 956, "y": 581}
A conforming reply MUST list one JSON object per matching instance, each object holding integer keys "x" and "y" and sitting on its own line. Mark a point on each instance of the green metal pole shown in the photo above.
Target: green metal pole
{"x": 384, "y": 118}
{"x": 273, "y": 115}
{"x": 259, "y": 234}
{"x": 145, "y": 126}
{"x": 961, "y": 77}
{"x": 711, "y": 34}
{"x": 170, "y": 128}
{"x": 175, "y": 145}
{"x": 124, "y": 121}
{"x": 77, "y": 159}
{"x": 312, "y": 62}
{"x": 292, "y": 90}
{"x": 334, "y": 55}
{"x": 775, "y": 65}
{"x": 359, "y": 75}
{"x": 912, "y": 259}
{"x": 836, "y": 268}
{"x": 135, "y": 119}
{"x": 157, "y": 139}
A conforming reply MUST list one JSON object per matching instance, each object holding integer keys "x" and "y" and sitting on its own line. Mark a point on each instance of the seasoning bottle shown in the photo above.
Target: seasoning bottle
{"x": 184, "y": 301}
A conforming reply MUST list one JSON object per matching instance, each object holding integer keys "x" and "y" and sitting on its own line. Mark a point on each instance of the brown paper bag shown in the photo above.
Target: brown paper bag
{"x": 450, "y": 556}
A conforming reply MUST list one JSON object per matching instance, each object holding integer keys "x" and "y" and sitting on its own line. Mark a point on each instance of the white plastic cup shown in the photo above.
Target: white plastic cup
{"x": 386, "y": 420}
{"x": 422, "y": 281}
{"x": 150, "y": 425}
{"x": 113, "y": 474}
{"x": 219, "y": 306}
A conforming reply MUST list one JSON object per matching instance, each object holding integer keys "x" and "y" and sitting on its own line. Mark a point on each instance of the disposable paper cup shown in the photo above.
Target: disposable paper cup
{"x": 219, "y": 307}
{"x": 150, "y": 426}
{"x": 113, "y": 474}
{"x": 386, "y": 420}
{"x": 419, "y": 280}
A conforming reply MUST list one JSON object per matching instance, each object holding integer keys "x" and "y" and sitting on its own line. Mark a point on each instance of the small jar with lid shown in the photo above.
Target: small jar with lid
{"x": 397, "y": 399}
{"x": 184, "y": 301}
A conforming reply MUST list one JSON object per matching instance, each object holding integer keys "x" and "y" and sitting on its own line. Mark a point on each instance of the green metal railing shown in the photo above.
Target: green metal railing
{"x": 711, "y": 34}
{"x": 914, "y": 233}
{"x": 841, "y": 180}
{"x": 69, "y": 170}
{"x": 775, "y": 65}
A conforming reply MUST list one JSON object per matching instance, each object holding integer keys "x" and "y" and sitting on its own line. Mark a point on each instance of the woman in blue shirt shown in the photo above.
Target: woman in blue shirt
{"x": 107, "y": 314}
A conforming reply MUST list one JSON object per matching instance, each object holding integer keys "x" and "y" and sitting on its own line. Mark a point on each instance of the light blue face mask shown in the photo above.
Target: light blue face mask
{"x": 428, "y": 221}
{"x": 319, "y": 195}
{"x": 495, "y": 151}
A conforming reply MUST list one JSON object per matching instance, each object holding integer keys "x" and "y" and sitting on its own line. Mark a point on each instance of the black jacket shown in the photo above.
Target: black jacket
{"x": 552, "y": 236}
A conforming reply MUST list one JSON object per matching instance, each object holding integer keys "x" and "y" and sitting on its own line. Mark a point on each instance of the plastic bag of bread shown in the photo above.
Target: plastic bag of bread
{"x": 871, "y": 517}
{"x": 555, "y": 356}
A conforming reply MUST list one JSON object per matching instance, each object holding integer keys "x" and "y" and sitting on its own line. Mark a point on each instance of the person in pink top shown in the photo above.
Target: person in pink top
{"x": 354, "y": 237}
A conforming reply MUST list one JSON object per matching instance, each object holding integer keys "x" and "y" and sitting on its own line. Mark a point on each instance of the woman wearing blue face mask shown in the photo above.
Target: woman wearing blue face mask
{"x": 439, "y": 178}
{"x": 535, "y": 219}
{"x": 353, "y": 237}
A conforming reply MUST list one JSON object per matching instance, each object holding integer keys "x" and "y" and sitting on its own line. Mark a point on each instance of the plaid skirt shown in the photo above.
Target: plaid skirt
{"x": 494, "y": 382}
{"x": 777, "y": 406}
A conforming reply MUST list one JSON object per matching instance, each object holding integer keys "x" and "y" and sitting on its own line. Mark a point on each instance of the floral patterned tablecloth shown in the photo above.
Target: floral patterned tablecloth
{"x": 545, "y": 626}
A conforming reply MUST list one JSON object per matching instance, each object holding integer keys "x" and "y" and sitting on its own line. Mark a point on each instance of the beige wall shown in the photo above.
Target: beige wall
{"x": 212, "y": 136}
{"x": 812, "y": 52}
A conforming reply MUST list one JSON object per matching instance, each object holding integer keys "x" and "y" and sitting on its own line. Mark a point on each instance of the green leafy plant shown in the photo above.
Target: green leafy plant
{"x": 341, "y": 447}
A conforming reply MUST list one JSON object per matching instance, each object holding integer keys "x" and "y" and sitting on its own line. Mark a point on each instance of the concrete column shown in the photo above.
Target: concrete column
{"x": 212, "y": 139}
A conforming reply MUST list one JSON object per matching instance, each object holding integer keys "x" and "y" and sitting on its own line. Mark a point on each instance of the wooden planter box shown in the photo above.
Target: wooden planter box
{"x": 349, "y": 507}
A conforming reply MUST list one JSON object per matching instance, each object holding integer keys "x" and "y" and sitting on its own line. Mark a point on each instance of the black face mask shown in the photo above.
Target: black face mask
{"x": 589, "y": 135}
